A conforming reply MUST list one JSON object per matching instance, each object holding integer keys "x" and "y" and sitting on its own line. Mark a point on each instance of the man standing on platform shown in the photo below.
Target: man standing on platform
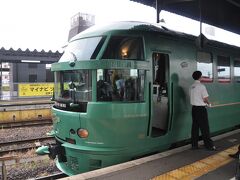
{"x": 199, "y": 101}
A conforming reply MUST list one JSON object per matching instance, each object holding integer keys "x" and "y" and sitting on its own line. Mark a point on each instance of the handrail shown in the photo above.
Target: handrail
{"x": 150, "y": 110}
{"x": 227, "y": 104}
{"x": 171, "y": 112}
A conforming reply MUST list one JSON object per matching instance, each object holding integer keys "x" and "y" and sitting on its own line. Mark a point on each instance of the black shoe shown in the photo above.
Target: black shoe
{"x": 213, "y": 148}
{"x": 235, "y": 156}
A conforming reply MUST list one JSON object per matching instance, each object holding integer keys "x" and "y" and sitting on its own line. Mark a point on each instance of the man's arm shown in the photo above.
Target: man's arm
{"x": 205, "y": 96}
{"x": 205, "y": 100}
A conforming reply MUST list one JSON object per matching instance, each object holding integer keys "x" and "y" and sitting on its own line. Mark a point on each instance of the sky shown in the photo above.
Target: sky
{"x": 44, "y": 24}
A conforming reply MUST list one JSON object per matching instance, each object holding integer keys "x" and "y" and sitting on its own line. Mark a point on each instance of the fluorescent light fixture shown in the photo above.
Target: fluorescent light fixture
{"x": 30, "y": 61}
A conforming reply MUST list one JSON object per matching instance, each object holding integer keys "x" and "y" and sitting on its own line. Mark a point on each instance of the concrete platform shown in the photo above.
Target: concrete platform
{"x": 179, "y": 163}
{"x": 25, "y": 110}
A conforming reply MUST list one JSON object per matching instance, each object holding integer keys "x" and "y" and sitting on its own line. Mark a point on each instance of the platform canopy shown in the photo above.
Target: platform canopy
{"x": 224, "y": 14}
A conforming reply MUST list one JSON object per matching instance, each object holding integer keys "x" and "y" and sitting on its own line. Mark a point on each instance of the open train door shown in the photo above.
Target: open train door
{"x": 160, "y": 105}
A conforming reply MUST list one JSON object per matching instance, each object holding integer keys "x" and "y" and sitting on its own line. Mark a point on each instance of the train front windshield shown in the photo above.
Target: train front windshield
{"x": 73, "y": 86}
{"x": 82, "y": 49}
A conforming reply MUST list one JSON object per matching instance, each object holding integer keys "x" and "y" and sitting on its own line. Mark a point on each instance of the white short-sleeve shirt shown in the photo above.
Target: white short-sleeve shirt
{"x": 197, "y": 92}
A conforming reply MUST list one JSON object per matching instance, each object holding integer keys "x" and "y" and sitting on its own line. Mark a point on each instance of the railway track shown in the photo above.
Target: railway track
{"x": 25, "y": 124}
{"x": 52, "y": 177}
{"x": 22, "y": 145}
{"x": 24, "y": 169}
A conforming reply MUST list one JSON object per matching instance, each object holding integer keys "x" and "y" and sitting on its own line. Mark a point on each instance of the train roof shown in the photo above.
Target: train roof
{"x": 123, "y": 25}
{"x": 104, "y": 29}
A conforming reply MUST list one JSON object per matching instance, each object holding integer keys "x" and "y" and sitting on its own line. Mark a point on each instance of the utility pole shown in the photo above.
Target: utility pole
{"x": 158, "y": 9}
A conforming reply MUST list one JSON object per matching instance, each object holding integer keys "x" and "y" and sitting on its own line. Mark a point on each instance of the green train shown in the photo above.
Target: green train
{"x": 121, "y": 92}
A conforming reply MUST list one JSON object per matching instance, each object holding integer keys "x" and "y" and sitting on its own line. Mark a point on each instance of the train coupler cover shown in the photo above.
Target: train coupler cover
{"x": 42, "y": 150}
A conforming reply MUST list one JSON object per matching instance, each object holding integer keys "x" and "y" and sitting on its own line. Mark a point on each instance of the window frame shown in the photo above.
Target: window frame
{"x": 223, "y": 80}
{"x": 141, "y": 38}
{"x": 140, "y": 86}
{"x": 206, "y": 80}
{"x": 62, "y": 92}
{"x": 235, "y": 77}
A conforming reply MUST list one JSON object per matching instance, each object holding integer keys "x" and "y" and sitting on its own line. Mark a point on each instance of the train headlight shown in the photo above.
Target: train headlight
{"x": 82, "y": 133}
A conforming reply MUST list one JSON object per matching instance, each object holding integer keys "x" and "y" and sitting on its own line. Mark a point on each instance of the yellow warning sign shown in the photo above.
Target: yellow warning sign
{"x": 35, "y": 89}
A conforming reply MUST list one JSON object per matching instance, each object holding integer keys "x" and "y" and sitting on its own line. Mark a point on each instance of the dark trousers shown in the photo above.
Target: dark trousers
{"x": 200, "y": 121}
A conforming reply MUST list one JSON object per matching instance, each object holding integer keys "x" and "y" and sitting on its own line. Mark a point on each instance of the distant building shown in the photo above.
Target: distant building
{"x": 30, "y": 73}
{"x": 24, "y": 67}
{"x": 4, "y": 75}
{"x": 79, "y": 23}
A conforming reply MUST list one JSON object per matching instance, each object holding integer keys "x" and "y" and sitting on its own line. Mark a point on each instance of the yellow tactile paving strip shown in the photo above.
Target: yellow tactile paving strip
{"x": 199, "y": 168}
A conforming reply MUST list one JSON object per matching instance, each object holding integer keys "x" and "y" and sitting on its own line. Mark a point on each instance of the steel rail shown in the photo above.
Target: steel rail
{"x": 25, "y": 141}
{"x": 21, "y": 149}
{"x": 52, "y": 177}
{"x": 25, "y": 124}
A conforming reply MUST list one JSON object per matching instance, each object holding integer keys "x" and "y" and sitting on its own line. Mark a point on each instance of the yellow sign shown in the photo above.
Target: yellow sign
{"x": 35, "y": 89}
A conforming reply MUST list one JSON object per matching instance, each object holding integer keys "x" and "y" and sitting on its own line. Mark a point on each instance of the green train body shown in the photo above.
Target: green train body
{"x": 111, "y": 105}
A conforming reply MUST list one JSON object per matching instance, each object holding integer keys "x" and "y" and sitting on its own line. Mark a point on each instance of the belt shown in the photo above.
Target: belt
{"x": 198, "y": 106}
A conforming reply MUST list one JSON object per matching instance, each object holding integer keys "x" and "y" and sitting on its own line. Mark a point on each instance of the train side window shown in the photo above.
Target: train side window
{"x": 223, "y": 69}
{"x": 125, "y": 85}
{"x": 124, "y": 47}
{"x": 205, "y": 65}
{"x": 236, "y": 70}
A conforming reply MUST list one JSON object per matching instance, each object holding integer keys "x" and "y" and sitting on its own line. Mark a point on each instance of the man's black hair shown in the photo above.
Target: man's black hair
{"x": 196, "y": 75}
